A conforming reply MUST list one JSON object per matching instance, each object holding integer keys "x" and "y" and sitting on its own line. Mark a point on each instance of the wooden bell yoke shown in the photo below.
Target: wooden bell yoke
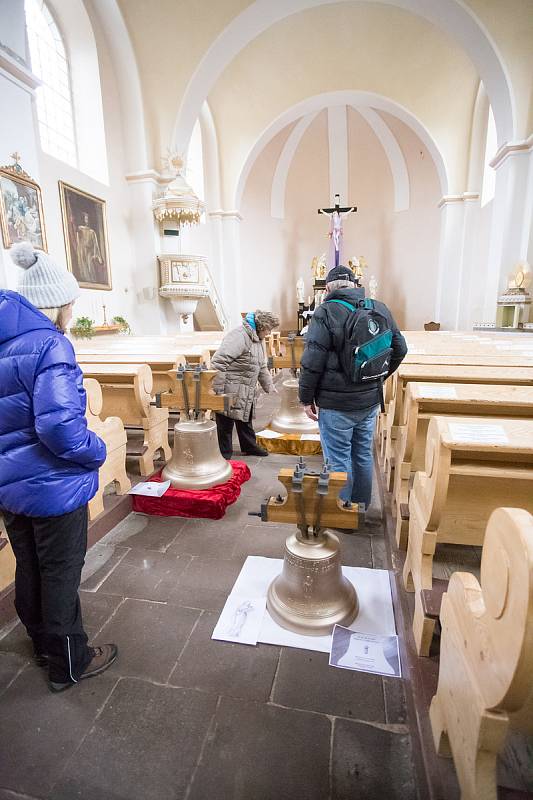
{"x": 312, "y": 501}
{"x": 292, "y": 348}
{"x": 191, "y": 392}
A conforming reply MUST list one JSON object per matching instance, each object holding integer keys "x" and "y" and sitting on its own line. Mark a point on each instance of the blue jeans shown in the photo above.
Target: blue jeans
{"x": 347, "y": 442}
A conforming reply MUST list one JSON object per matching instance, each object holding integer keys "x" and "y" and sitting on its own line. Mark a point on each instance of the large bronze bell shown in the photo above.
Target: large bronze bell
{"x": 291, "y": 417}
{"x": 196, "y": 462}
{"x": 311, "y": 594}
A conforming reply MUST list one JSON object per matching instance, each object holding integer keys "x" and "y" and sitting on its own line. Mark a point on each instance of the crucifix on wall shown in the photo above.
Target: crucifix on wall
{"x": 335, "y": 215}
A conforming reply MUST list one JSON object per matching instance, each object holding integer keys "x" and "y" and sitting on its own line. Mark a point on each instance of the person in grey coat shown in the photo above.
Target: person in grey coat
{"x": 241, "y": 363}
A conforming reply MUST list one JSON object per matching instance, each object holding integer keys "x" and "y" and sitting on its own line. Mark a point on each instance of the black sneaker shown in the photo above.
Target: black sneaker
{"x": 102, "y": 658}
{"x": 257, "y": 451}
{"x": 40, "y": 659}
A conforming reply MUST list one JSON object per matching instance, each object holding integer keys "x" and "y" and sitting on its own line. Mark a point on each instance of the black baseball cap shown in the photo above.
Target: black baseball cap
{"x": 340, "y": 273}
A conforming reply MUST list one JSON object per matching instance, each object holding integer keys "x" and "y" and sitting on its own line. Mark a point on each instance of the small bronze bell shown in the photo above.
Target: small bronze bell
{"x": 196, "y": 462}
{"x": 311, "y": 594}
{"x": 291, "y": 417}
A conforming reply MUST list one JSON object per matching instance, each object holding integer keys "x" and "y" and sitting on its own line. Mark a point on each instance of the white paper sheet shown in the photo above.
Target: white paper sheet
{"x": 439, "y": 390}
{"x": 150, "y": 488}
{"x": 268, "y": 434}
{"x": 310, "y": 437}
{"x": 485, "y": 433}
{"x": 241, "y": 619}
{"x": 365, "y": 652}
{"x": 373, "y": 590}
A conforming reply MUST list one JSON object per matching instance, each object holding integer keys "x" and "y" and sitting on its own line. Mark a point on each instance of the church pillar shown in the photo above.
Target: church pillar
{"x": 231, "y": 265}
{"x": 144, "y": 270}
{"x": 512, "y": 219}
{"x": 469, "y": 298}
{"x": 217, "y": 245}
{"x": 457, "y": 240}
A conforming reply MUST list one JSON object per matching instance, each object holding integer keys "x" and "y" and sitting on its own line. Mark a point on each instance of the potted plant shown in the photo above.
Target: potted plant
{"x": 83, "y": 328}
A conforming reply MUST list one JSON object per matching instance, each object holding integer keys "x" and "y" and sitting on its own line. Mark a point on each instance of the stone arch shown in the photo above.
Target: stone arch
{"x": 451, "y": 16}
{"x": 349, "y": 98}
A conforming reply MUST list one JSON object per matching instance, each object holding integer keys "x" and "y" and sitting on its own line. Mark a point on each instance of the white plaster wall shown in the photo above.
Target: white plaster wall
{"x": 401, "y": 248}
{"x": 18, "y": 131}
{"x": 410, "y": 282}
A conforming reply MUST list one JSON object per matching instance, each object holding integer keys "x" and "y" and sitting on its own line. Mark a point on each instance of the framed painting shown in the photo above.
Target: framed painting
{"x": 85, "y": 230}
{"x": 184, "y": 272}
{"x": 21, "y": 208}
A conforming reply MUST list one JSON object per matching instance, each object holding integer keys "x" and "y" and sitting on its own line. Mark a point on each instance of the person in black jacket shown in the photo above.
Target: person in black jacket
{"x": 346, "y": 411}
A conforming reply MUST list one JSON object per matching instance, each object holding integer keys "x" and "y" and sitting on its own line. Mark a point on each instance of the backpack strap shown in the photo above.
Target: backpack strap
{"x": 342, "y": 303}
{"x": 368, "y": 303}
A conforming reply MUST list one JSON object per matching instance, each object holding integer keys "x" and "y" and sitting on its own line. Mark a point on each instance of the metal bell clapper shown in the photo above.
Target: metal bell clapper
{"x": 311, "y": 594}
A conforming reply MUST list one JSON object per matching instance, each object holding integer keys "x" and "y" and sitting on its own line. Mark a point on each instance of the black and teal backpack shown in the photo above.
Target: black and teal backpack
{"x": 366, "y": 352}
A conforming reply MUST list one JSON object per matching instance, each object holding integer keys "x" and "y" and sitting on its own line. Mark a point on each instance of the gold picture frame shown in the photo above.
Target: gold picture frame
{"x": 85, "y": 232}
{"x": 21, "y": 208}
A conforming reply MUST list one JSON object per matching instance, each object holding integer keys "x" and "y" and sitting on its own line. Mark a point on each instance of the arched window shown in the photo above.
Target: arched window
{"x": 489, "y": 174}
{"x": 195, "y": 162}
{"x": 54, "y": 97}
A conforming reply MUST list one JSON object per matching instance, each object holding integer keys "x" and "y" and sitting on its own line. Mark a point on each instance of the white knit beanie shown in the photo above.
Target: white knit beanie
{"x": 43, "y": 283}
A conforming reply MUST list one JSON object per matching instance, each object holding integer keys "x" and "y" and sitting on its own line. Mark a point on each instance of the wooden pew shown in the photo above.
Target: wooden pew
{"x": 7, "y": 559}
{"x": 442, "y": 373}
{"x": 472, "y": 466}
{"x": 453, "y": 348}
{"x": 486, "y": 655}
{"x": 127, "y": 393}
{"x": 421, "y": 402}
{"x": 291, "y": 350}
{"x": 111, "y": 430}
{"x": 159, "y": 364}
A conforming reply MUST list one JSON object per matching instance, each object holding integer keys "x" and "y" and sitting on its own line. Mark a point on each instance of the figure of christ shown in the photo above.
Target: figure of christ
{"x": 336, "y": 215}
{"x": 88, "y": 252}
{"x": 240, "y": 616}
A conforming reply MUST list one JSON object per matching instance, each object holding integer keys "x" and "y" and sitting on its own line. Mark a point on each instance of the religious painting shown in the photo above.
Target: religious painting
{"x": 21, "y": 210}
{"x": 85, "y": 229}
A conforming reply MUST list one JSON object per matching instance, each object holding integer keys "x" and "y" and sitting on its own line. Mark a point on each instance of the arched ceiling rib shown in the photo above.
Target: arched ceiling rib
{"x": 348, "y": 98}
{"x": 279, "y": 181}
{"x": 451, "y": 16}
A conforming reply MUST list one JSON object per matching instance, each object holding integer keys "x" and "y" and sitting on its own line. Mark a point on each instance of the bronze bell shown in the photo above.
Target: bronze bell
{"x": 291, "y": 417}
{"x": 311, "y": 594}
{"x": 196, "y": 462}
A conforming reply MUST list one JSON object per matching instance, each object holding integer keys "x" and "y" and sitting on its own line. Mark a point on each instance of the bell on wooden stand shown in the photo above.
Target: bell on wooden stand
{"x": 291, "y": 417}
{"x": 311, "y": 594}
{"x": 196, "y": 462}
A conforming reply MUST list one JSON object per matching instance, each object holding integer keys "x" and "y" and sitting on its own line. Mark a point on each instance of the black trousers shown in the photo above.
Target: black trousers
{"x": 50, "y": 552}
{"x": 245, "y": 432}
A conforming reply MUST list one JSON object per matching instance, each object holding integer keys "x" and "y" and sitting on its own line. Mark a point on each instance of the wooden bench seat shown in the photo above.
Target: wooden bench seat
{"x": 472, "y": 466}
{"x": 159, "y": 364}
{"x": 127, "y": 393}
{"x": 112, "y": 431}
{"x": 442, "y": 373}
{"x": 486, "y": 655}
{"x": 424, "y": 400}
{"x": 7, "y": 559}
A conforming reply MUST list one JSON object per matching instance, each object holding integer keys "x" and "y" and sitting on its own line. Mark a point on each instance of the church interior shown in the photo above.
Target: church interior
{"x": 189, "y": 164}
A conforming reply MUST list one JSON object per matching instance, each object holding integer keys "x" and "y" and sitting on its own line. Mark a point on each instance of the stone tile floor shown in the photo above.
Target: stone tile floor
{"x": 181, "y": 716}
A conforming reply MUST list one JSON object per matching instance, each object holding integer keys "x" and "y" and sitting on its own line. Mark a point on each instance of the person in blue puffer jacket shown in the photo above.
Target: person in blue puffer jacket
{"x": 49, "y": 464}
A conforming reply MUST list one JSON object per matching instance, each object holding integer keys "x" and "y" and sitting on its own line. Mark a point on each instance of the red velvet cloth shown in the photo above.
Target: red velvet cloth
{"x": 205, "y": 503}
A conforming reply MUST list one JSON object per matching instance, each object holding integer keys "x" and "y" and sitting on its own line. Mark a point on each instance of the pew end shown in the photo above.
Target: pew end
{"x": 486, "y": 656}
